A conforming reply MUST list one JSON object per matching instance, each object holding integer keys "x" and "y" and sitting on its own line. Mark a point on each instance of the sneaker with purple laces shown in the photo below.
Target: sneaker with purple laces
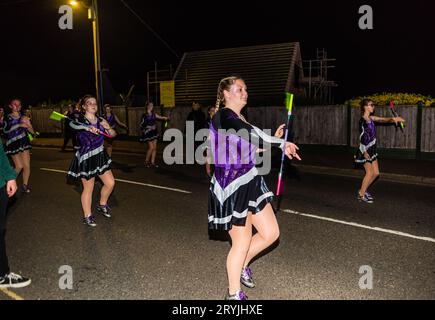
{"x": 246, "y": 278}
{"x": 364, "y": 199}
{"x": 104, "y": 210}
{"x": 239, "y": 295}
{"x": 369, "y": 196}
{"x": 89, "y": 221}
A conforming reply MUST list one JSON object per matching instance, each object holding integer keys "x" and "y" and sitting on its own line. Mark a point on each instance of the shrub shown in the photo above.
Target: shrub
{"x": 383, "y": 99}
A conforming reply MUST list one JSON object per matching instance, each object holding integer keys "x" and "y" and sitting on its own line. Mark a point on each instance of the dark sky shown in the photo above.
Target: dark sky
{"x": 40, "y": 62}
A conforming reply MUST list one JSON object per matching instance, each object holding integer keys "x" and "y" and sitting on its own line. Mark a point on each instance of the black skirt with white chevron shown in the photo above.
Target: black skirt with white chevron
{"x": 149, "y": 135}
{"x": 359, "y": 158}
{"x": 17, "y": 146}
{"x": 253, "y": 197}
{"x": 95, "y": 165}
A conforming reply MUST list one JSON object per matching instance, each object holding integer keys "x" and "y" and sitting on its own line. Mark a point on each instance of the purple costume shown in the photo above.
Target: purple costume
{"x": 148, "y": 127}
{"x": 91, "y": 159}
{"x": 16, "y": 137}
{"x": 111, "y": 120}
{"x": 367, "y": 142}
{"x": 236, "y": 187}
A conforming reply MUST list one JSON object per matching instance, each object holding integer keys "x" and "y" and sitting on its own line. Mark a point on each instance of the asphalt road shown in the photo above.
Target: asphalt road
{"x": 157, "y": 245}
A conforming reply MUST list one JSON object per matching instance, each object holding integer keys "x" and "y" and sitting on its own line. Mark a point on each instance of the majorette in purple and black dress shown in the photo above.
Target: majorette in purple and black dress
{"x": 236, "y": 187}
{"x": 17, "y": 139}
{"x": 367, "y": 142}
{"x": 148, "y": 127}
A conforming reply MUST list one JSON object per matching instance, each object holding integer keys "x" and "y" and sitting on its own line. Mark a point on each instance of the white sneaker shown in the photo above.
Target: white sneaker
{"x": 12, "y": 280}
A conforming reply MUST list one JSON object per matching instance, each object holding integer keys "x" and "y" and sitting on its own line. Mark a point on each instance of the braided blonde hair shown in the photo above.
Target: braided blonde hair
{"x": 224, "y": 84}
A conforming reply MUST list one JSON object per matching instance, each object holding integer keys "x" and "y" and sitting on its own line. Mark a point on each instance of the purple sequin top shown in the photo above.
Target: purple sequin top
{"x": 12, "y": 127}
{"x": 111, "y": 120}
{"x": 367, "y": 132}
{"x": 234, "y": 143}
{"x": 88, "y": 141}
{"x": 148, "y": 120}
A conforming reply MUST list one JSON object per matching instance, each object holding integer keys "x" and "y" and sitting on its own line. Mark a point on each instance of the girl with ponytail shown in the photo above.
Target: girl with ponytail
{"x": 238, "y": 196}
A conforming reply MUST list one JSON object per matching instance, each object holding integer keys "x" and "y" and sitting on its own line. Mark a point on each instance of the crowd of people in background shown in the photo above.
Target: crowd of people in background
{"x": 149, "y": 132}
{"x": 148, "y": 124}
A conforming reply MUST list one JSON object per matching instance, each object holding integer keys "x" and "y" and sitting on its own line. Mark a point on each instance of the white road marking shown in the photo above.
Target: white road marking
{"x": 69, "y": 150}
{"x": 130, "y": 182}
{"x": 353, "y": 224}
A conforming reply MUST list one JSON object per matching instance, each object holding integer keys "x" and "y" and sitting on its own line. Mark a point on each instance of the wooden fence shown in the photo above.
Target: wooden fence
{"x": 324, "y": 125}
{"x": 428, "y": 130}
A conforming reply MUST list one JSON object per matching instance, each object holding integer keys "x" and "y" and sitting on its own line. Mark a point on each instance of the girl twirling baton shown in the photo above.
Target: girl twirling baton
{"x": 91, "y": 159}
{"x": 239, "y": 198}
{"x": 16, "y": 128}
{"x": 366, "y": 153}
{"x": 113, "y": 121}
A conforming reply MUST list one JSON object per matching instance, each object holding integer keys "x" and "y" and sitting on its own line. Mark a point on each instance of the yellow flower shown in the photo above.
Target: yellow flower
{"x": 384, "y": 98}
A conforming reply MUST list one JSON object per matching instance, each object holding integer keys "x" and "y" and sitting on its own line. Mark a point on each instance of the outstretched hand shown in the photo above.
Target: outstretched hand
{"x": 398, "y": 120}
{"x": 291, "y": 151}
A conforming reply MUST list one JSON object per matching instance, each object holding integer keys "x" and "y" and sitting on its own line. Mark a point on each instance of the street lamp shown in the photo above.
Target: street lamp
{"x": 93, "y": 15}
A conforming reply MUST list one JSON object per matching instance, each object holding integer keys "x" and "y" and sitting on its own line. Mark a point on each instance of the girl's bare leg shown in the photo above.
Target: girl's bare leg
{"x": 88, "y": 188}
{"x": 367, "y": 178}
{"x": 149, "y": 151}
{"x": 268, "y": 232}
{"x": 241, "y": 239}
{"x": 109, "y": 184}
{"x": 154, "y": 152}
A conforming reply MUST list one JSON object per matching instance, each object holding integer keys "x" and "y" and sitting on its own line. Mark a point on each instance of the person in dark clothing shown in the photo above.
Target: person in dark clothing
{"x": 8, "y": 187}
{"x": 198, "y": 119}
{"x": 68, "y": 133}
{"x": 211, "y": 110}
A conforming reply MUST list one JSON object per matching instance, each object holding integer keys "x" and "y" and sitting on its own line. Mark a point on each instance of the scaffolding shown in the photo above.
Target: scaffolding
{"x": 154, "y": 77}
{"x": 317, "y": 82}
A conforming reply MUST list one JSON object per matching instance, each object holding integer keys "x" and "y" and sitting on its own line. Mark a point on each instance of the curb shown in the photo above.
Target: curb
{"x": 354, "y": 173}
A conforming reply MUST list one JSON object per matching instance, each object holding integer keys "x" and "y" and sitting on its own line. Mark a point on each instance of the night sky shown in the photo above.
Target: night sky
{"x": 40, "y": 62}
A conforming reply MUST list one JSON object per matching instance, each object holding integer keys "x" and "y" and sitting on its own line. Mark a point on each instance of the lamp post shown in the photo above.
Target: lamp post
{"x": 93, "y": 15}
